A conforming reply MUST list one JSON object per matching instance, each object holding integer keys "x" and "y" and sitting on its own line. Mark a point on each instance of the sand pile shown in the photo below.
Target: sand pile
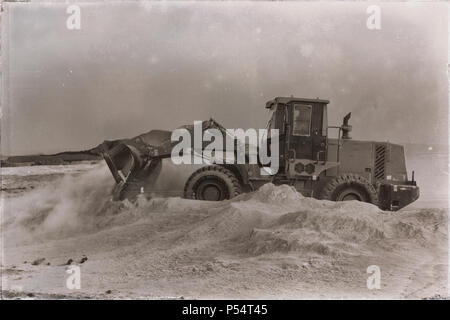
{"x": 279, "y": 219}
{"x": 272, "y": 242}
{"x": 272, "y": 219}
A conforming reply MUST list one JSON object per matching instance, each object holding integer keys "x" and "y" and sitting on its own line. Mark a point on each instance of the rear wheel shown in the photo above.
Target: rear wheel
{"x": 212, "y": 183}
{"x": 348, "y": 187}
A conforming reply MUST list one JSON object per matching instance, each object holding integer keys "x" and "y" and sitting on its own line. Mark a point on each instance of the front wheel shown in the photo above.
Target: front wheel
{"x": 348, "y": 187}
{"x": 212, "y": 183}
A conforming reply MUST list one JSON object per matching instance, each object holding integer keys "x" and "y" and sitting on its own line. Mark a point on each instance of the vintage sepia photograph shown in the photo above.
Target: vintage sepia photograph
{"x": 224, "y": 150}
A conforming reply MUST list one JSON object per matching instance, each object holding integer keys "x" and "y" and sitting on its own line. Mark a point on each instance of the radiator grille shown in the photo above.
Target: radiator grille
{"x": 380, "y": 161}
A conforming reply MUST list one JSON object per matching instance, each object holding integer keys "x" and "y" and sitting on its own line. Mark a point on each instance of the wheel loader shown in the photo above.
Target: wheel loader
{"x": 337, "y": 169}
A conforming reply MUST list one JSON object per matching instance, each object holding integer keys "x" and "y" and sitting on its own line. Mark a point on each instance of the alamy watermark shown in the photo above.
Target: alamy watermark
{"x": 73, "y": 22}
{"x": 374, "y": 280}
{"x": 252, "y": 147}
{"x": 73, "y": 281}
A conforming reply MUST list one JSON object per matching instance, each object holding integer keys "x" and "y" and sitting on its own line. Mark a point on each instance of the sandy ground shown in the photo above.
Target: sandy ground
{"x": 272, "y": 243}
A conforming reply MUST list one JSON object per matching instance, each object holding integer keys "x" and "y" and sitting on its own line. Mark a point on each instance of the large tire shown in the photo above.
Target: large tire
{"x": 213, "y": 183}
{"x": 350, "y": 186}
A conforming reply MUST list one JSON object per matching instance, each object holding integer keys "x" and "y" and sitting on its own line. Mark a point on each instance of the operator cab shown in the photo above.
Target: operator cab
{"x": 302, "y": 125}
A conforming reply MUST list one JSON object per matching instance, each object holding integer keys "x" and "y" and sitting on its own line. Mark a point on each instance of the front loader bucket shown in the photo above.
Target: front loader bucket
{"x": 136, "y": 163}
{"x": 138, "y": 182}
{"x": 131, "y": 170}
{"x": 121, "y": 160}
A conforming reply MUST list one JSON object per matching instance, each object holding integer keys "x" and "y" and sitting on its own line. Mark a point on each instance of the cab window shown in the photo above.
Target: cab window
{"x": 302, "y": 120}
{"x": 324, "y": 121}
{"x": 272, "y": 115}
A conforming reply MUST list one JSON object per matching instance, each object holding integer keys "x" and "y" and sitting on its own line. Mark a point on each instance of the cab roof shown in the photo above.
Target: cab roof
{"x": 285, "y": 100}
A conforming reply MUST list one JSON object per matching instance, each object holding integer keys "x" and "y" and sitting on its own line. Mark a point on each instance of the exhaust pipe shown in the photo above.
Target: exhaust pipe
{"x": 346, "y": 128}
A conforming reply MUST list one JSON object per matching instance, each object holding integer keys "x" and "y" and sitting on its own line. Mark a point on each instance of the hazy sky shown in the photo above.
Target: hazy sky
{"x": 135, "y": 67}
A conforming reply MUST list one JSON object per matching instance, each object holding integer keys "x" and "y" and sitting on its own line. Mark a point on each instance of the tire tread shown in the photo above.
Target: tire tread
{"x": 213, "y": 170}
{"x": 349, "y": 180}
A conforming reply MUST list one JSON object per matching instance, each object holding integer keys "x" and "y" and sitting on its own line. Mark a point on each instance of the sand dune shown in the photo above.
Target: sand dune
{"x": 272, "y": 243}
